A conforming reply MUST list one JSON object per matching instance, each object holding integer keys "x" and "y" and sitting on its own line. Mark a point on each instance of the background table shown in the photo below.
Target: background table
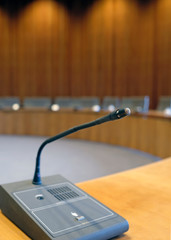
{"x": 150, "y": 132}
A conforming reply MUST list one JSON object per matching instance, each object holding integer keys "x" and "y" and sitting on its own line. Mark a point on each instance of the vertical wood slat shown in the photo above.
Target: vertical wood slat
{"x": 163, "y": 46}
{"x": 119, "y": 48}
{"x": 5, "y": 41}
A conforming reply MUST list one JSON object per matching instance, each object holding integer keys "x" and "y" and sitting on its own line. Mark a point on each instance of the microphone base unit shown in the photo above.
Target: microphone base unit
{"x": 59, "y": 210}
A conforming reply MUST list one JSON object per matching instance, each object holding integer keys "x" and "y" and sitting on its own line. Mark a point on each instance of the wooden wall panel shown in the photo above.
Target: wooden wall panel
{"x": 119, "y": 48}
{"x": 5, "y": 55}
{"x": 163, "y": 48}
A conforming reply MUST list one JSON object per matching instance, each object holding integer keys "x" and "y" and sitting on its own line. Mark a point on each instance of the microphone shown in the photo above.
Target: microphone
{"x": 58, "y": 209}
{"x": 118, "y": 114}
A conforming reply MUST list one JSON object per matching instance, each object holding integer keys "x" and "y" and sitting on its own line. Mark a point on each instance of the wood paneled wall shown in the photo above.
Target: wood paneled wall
{"x": 114, "y": 47}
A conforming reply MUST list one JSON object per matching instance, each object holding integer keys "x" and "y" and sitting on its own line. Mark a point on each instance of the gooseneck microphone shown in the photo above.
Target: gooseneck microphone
{"x": 118, "y": 114}
{"x": 58, "y": 209}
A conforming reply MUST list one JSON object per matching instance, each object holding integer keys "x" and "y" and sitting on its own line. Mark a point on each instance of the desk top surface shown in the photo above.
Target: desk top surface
{"x": 141, "y": 195}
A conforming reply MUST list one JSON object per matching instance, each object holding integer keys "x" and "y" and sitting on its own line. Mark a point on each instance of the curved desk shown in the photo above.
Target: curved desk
{"x": 150, "y": 132}
{"x": 141, "y": 195}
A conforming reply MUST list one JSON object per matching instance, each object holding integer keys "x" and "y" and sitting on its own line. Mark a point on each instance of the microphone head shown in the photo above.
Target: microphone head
{"x": 127, "y": 111}
{"x": 120, "y": 113}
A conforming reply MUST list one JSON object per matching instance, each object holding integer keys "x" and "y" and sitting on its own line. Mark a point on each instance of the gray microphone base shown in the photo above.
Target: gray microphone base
{"x": 59, "y": 210}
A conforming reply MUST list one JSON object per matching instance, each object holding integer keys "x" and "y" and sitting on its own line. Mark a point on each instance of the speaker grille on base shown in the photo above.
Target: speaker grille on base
{"x": 63, "y": 193}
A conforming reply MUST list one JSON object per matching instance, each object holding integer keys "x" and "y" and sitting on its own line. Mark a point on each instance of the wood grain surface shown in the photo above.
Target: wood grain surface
{"x": 118, "y": 48}
{"x": 150, "y": 132}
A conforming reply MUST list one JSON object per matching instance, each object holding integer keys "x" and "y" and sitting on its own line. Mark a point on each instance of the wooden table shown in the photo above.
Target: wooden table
{"x": 150, "y": 132}
{"x": 142, "y": 196}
